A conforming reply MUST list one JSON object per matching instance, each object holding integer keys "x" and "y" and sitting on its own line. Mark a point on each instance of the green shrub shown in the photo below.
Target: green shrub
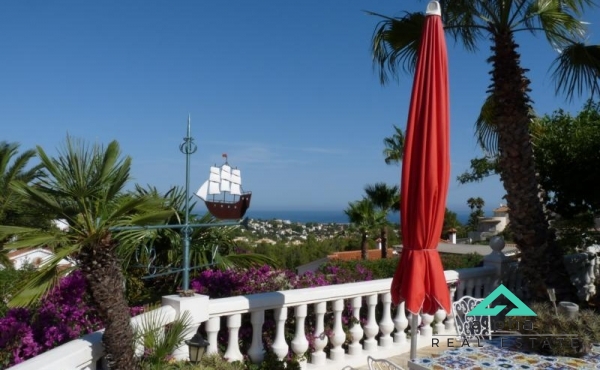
{"x": 209, "y": 362}
{"x": 385, "y": 268}
{"x": 452, "y": 261}
{"x": 585, "y": 330}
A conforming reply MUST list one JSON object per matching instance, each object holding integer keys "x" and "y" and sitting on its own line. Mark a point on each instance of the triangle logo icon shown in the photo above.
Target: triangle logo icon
{"x": 482, "y": 308}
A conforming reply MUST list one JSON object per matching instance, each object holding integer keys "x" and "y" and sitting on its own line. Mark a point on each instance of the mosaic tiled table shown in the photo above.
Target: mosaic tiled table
{"x": 497, "y": 355}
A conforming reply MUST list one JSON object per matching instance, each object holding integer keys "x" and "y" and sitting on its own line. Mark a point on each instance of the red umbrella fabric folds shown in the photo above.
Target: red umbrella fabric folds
{"x": 419, "y": 278}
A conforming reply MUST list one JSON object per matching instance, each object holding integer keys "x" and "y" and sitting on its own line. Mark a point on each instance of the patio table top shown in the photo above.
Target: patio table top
{"x": 502, "y": 353}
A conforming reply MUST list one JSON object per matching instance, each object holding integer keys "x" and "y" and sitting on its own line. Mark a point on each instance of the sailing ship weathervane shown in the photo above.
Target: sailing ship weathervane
{"x": 223, "y": 194}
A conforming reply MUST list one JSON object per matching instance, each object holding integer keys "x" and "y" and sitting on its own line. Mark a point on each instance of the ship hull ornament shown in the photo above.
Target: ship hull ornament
{"x": 223, "y": 194}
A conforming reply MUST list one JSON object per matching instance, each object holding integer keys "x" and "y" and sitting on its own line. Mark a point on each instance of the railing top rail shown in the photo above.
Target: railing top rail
{"x": 296, "y": 297}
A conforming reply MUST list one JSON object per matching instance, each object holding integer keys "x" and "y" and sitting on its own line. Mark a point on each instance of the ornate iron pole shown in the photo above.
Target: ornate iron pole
{"x": 188, "y": 148}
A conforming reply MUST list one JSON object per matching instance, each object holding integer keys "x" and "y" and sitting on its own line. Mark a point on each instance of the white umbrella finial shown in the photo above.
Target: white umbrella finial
{"x": 434, "y": 8}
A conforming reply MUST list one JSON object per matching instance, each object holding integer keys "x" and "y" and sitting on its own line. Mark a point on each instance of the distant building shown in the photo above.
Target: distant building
{"x": 490, "y": 226}
{"x": 34, "y": 257}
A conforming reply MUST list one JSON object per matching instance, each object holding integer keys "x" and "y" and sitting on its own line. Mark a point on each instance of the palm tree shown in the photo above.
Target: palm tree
{"x": 394, "y": 45}
{"x": 83, "y": 186}
{"x": 363, "y": 218}
{"x": 13, "y": 168}
{"x": 394, "y": 147}
{"x": 385, "y": 198}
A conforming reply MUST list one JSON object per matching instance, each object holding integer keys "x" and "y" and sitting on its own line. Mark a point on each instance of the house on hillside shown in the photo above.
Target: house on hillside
{"x": 490, "y": 226}
{"x": 34, "y": 257}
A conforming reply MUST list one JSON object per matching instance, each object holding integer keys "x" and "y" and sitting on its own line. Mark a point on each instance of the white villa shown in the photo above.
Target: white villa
{"x": 490, "y": 226}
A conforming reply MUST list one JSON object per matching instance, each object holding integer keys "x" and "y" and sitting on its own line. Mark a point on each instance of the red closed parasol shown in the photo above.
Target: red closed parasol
{"x": 419, "y": 278}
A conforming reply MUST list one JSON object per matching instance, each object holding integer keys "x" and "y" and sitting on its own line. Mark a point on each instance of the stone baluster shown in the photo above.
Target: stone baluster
{"x": 401, "y": 323}
{"x": 279, "y": 346}
{"x": 212, "y": 327}
{"x": 371, "y": 328}
{"x": 438, "y": 319}
{"x": 338, "y": 337}
{"x": 478, "y": 291}
{"x": 356, "y": 331}
{"x": 470, "y": 284}
{"x": 256, "y": 350}
{"x": 426, "y": 321}
{"x": 299, "y": 343}
{"x": 450, "y": 323}
{"x": 386, "y": 325}
{"x": 499, "y": 261}
{"x": 234, "y": 322}
{"x": 320, "y": 339}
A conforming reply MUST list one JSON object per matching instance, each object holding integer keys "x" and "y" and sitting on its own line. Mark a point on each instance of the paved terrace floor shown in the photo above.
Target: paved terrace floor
{"x": 402, "y": 359}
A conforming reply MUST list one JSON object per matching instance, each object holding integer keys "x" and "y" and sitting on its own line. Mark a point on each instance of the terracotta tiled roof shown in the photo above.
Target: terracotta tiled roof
{"x": 372, "y": 254}
{"x": 502, "y": 209}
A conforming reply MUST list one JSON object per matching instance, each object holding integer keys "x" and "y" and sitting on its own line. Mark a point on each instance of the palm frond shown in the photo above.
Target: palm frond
{"x": 577, "y": 69}
{"x": 44, "y": 279}
{"x": 485, "y": 129}
{"x": 395, "y": 43}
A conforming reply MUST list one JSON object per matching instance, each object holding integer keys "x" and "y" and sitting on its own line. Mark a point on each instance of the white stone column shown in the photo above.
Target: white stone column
{"x": 233, "y": 353}
{"x": 299, "y": 343}
{"x": 401, "y": 323}
{"x": 386, "y": 325}
{"x": 280, "y": 347}
{"x": 256, "y": 350}
{"x": 318, "y": 357}
{"x": 197, "y": 308}
{"x": 356, "y": 330}
{"x": 338, "y": 336}
{"x": 371, "y": 328}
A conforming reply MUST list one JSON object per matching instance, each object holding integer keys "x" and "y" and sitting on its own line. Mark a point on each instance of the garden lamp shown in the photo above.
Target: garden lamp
{"x": 197, "y": 346}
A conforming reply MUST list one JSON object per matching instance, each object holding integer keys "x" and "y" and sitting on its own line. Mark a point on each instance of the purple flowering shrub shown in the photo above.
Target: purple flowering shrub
{"x": 219, "y": 284}
{"x": 64, "y": 314}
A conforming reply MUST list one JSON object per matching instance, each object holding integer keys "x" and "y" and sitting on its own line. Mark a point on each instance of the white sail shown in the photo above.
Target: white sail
{"x": 236, "y": 176}
{"x": 215, "y": 174}
{"x": 226, "y": 172}
{"x": 225, "y": 185}
{"x": 214, "y": 187}
{"x": 235, "y": 189}
{"x": 202, "y": 193}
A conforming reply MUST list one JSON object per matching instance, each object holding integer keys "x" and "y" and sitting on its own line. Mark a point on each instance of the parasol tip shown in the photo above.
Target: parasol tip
{"x": 434, "y": 8}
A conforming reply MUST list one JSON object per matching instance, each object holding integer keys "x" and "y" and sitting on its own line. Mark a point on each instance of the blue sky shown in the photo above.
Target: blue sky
{"x": 287, "y": 89}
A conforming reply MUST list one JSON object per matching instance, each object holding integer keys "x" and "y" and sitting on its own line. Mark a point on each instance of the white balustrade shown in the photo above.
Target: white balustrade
{"x": 253, "y": 308}
{"x": 400, "y": 323}
{"x": 320, "y": 339}
{"x": 212, "y": 330}
{"x": 338, "y": 337}
{"x": 299, "y": 343}
{"x": 356, "y": 331}
{"x": 280, "y": 347}
{"x": 256, "y": 350}
{"x": 371, "y": 328}
{"x": 234, "y": 322}
{"x": 386, "y": 325}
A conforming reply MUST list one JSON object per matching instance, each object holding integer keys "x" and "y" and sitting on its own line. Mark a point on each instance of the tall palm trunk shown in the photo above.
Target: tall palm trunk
{"x": 102, "y": 270}
{"x": 542, "y": 263}
{"x": 363, "y": 246}
{"x": 383, "y": 236}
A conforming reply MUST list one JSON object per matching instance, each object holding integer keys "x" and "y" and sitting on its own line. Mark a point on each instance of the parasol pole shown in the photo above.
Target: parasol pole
{"x": 413, "y": 336}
